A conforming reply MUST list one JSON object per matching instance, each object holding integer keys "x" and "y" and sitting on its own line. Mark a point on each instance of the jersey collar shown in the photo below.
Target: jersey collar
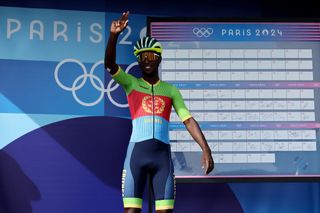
{"x": 156, "y": 84}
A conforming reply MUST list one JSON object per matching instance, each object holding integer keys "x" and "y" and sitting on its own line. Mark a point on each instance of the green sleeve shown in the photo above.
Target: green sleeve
{"x": 126, "y": 80}
{"x": 179, "y": 106}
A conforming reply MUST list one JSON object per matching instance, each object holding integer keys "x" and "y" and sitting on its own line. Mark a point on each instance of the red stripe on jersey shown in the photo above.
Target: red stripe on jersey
{"x": 141, "y": 104}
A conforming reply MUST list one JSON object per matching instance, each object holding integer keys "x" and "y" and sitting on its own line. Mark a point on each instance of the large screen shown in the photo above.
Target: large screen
{"x": 253, "y": 87}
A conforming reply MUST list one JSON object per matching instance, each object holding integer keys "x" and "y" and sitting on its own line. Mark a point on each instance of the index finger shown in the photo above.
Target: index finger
{"x": 209, "y": 166}
{"x": 124, "y": 16}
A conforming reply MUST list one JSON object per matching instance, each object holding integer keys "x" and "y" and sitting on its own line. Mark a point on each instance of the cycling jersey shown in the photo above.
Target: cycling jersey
{"x": 149, "y": 150}
{"x": 150, "y": 106}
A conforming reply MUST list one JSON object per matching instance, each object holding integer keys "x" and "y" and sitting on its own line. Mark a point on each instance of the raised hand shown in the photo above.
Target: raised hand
{"x": 117, "y": 26}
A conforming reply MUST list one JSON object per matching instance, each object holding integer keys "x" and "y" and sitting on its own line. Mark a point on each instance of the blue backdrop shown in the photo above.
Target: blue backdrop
{"x": 64, "y": 124}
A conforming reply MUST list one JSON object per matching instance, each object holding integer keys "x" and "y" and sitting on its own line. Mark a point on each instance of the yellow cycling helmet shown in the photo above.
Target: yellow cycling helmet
{"x": 147, "y": 44}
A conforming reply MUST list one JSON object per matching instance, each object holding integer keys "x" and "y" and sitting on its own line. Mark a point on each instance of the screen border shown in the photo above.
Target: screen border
{"x": 239, "y": 178}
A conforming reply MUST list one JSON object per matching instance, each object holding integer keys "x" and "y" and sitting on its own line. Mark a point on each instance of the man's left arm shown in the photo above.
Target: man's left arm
{"x": 194, "y": 129}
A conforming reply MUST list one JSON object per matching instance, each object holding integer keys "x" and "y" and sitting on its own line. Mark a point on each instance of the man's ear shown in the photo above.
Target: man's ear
{"x": 160, "y": 59}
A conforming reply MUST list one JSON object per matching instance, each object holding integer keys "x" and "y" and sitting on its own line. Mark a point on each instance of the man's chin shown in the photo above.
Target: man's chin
{"x": 148, "y": 72}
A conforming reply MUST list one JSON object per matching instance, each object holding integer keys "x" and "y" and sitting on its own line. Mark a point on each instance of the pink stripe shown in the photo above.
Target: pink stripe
{"x": 245, "y": 176}
{"x": 235, "y": 22}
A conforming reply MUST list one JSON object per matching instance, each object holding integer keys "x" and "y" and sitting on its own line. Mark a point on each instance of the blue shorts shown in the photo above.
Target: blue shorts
{"x": 151, "y": 157}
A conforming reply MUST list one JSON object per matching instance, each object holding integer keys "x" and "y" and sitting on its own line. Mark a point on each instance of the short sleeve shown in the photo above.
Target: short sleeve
{"x": 179, "y": 105}
{"x": 126, "y": 80}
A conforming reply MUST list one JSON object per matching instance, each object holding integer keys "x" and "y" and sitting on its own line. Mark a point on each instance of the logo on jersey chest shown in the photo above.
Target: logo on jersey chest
{"x": 156, "y": 103}
{"x": 144, "y": 104}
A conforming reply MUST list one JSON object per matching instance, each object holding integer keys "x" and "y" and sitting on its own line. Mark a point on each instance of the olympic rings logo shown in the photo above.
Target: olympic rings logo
{"x": 99, "y": 86}
{"x": 202, "y": 32}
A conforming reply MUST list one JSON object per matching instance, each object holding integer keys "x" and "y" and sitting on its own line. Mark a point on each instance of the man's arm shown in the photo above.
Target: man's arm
{"x": 195, "y": 131}
{"x": 116, "y": 28}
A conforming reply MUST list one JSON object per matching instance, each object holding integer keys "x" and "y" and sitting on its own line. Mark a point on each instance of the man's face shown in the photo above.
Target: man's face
{"x": 149, "y": 62}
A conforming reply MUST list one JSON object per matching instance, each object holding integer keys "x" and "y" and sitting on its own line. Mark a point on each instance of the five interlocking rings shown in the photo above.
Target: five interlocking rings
{"x": 93, "y": 79}
{"x": 202, "y": 32}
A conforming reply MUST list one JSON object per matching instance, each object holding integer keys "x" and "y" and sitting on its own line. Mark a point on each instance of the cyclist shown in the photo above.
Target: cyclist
{"x": 150, "y": 101}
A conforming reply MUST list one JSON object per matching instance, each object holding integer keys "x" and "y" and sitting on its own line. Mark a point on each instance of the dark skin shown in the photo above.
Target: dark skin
{"x": 150, "y": 74}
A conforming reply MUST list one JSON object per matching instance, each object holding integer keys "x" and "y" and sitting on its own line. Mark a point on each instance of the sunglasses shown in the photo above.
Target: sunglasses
{"x": 151, "y": 56}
